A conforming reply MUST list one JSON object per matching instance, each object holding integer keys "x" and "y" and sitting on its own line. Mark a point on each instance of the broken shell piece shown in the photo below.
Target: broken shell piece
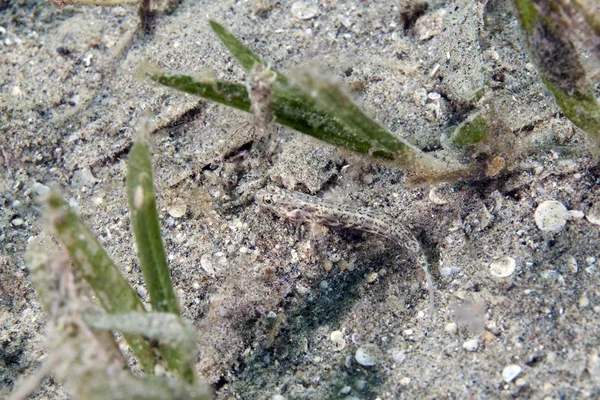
{"x": 551, "y": 216}
{"x": 510, "y": 372}
{"x": 177, "y": 209}
{"x": 337, "y": 337}
{"x": 367, "y": 355}
{"x": 435, "y": 198}
{"x": 503, "y": 267}
{"x": 594, "y": 214}
{"x": 370, "y": 278}
{"x": 495, "y": 166}
{"x": 304, "y": 10}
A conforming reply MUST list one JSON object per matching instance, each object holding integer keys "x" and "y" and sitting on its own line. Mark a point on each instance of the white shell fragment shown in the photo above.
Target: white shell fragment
{"x": 337, "y": 337}
{"x": 471, "y": 345}
{"x": 503, "y": 267}
{"x": 207, "y": 265}
{"x": 593, "y": 215}
{"x": 304, "y": 10}
{"x": 510, "y": 372}
{"x": 435, "y": 198}
{"x": 367, "y": 355}
{"x": 177, "y": 209}
{"x": 551, "y": 216}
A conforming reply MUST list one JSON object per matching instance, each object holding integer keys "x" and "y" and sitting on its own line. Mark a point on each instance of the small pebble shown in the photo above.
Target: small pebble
{"x": 488, "y": 337}
{"x": 551, "y": 216}
{"x": 177, "y": 209}
{"x": 367, "y": 355}
{"x": 345, "y": 390}
{"x": 520, "y": 382}
{"x": 370, "y": 278}
{"x": 571, "y": 264}
{"x": 575, "y": 214}
{"x": 510, "y": 372}
{"x": 327, "y": 265}
{"x": 243, "y": 250}
{"x": 451, "y": 327}
{"x": 471, "y": 345}
{"x": 584, "y": 301}
{"x": 503, "y": 267}
{"x": 591, "y": 269}
{"x": 337, "y": 337}
{"x": 407, "y": 332}
{"x": 195, "y": 285}
{"x": 593, "y": 215}
{"x": 207, "y": 265}
{"x": 590, "y": 260}
{"x": 323, "y": 285}
{"x": 435, "y": 198}
{"x": 17, "y": 221}
{"x": 405, "y": 381}
{"x": 304, "y": 10}
{"x": 398, "y": 356}
{"x": 39, "y": 189}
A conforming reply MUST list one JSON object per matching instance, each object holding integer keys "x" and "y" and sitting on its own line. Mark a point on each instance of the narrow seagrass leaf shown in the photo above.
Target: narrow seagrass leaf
{"x": 91, "y": 260}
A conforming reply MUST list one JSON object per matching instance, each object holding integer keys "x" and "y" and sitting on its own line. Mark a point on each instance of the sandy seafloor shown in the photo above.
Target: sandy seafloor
{"x": 71, "y": 101}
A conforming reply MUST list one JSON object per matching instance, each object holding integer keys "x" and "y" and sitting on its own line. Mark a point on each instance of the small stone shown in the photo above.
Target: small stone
{"x": 327, "y": 265}
{"x": 551, "y": 216}
{"x": 405, "y": 381}
{"x": 503, "y": 267}
{"x": 301, "y": 289}
{"x": 590, "y": 260}
{"x": 552, "y": 275}
{"x": 83, "y": 178}
{"x": 471, "y": 345}
{"x": 243, "y": 250}
{"x": 451, "y": 327}
{"x": 207, "y": 265}
{"x": 591, "y": 269}
{"x": 435, "y": 198}
{"x": 304, "y": 10}
{"x": 370, "y": 278}
{"x": 398, "y": 356}
{"x": 17, "y": 221}
{"x": 159, "y": 370}
{"x": 571, "y": 264}
{"x": 337, "y": 337}
{"x": 520, "y": 382}
{"x": 510, "y": 372}
{"x": 593, "y": 215}
{"x": 323, "y": 285}
{"x": 584, "y": 301}
{"x": 367, "y": 355}
{"x": 407, "y": 332}
{"x": 488, "y": 337}
{"x": 195, "y": 285}
{"x": 177, "y": 209}
{"x": 575, "y": 214}
{"x": 345, "y": 390}
{"x": 39, "y": 189}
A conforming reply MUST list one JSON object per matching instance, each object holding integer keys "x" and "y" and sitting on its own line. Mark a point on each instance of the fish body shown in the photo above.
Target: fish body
{"x": 301, "y": 207}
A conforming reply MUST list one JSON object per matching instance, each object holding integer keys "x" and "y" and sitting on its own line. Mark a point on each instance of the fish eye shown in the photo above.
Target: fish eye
{"x": 268, "y": 200}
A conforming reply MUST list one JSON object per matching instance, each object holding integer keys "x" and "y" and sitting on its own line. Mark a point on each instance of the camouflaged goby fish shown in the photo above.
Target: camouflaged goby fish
{"x": 301, "y": 207}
